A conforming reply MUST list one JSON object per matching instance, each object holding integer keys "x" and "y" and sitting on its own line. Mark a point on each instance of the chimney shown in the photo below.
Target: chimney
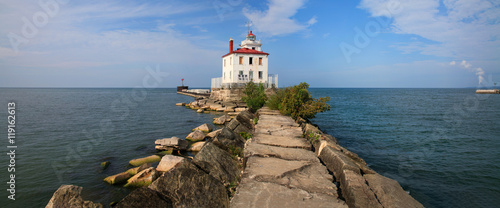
{"x": 230, "y": 45}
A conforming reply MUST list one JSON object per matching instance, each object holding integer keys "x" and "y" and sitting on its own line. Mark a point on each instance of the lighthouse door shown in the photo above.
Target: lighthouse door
{"x": 250, "y": 74}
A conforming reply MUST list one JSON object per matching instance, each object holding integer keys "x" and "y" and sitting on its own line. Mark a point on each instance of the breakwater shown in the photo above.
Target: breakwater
{"x": 282, "y": 157}
{"x": 488, "y": 91}
{"x": 282, "y": 168}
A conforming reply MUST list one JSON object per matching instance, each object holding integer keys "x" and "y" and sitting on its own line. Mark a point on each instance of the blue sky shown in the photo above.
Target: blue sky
{"x": 344, "y": 43}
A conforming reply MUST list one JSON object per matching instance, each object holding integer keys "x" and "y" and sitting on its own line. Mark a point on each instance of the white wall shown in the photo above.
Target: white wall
{"x": 235, "y": 67}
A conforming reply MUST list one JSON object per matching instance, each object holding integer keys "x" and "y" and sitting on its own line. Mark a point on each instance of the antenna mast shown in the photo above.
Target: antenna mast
{"x": 248, "y": 26}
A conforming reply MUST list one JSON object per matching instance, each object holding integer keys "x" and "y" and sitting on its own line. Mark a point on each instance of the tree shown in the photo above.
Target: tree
{"x": 296, "y": 101}
{"x": 255, "y": 97}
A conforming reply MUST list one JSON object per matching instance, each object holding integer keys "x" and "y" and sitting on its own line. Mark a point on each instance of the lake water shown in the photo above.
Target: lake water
{"x": 442, "y": 145}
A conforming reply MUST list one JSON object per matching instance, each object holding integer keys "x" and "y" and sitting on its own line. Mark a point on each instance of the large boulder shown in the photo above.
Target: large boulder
{"x": 233, "y": 124}
{"x": 226, "y": 137}
{"x": 389, "y": 193}
{"x": 168, "y": 162}
{"x": 171, "y": 143}
{"x": 246, "y": 119}
{"x": 140, "y": 161}
{"x": 143, "y": 178}
{"x": 144, "y": 197}
{"x": 188, "y": 186}
{"x": 336, "y": 161}
{"x": 204, "y": 128}
{"x": 133, "y": 171}
{"x": 195, "y": 136}
{"x": 118, "y": 178}
{"x": 196, "y": 147}
{"x": 222, "y": 120}
{"x": 213, "y": 133}
{"x": 70, "y": 196}
{"x": 218, "y": 163}
{"x": 355, "y": 191}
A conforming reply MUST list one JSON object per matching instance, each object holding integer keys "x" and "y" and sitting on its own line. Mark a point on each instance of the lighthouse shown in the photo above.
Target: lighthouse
{"x": 247, "y": 63}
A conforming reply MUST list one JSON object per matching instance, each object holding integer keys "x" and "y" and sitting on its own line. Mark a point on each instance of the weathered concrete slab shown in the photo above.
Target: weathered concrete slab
{"x": 268, "y": 168}
{"x": 281, "y": 131}
{"x": 336, "y": 162}
{"x": 389, "y": 192}
{"x": 313, "y": 178}
{"x": 289, "y": 142}
{"x": 262, "y": 194}
{"x": 355, "y": 191}
{"x": 278, "y": 119}
{"x": 255, "y": 149}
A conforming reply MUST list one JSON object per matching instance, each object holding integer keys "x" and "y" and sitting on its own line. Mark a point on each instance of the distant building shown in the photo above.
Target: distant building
{"x": 247, "y": 63}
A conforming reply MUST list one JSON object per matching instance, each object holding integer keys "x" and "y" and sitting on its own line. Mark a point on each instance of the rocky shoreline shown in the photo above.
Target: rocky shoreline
{"x": 212, "y": 177}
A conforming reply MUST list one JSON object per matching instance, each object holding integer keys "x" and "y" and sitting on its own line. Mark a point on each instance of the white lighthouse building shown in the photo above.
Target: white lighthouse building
{"x": 245, "y": 64}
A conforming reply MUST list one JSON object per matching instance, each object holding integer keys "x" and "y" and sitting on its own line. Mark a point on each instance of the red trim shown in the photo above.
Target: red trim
{"x": 246, "y": 51}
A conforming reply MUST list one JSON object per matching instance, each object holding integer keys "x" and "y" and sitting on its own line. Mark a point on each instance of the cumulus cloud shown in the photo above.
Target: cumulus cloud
{"x": 465, "y": 64}
{"x": 278, "y": 18}
{"x": 109, "y": 36}
{"x": 456, "y": 28}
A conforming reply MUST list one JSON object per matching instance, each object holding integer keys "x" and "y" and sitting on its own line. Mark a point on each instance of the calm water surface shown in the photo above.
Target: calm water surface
{"x": 64, "y": 135}
{"x": 442, "y": 145}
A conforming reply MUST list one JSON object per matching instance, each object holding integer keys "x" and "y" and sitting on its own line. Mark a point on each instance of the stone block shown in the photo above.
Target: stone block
{"x": 355, "y": 191}
{"x": 218, "y": 163}
{"x": 336, "y": 161}
{"x": 144, "y": 197}
{"x": 168, "y": 162}
{"x": 389, "y": 193}
{"x": 70, "y": 196}
{"x": 188, "y": 186}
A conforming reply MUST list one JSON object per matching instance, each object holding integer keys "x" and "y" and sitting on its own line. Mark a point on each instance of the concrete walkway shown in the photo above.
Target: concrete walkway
{"x": 281, "y": 170}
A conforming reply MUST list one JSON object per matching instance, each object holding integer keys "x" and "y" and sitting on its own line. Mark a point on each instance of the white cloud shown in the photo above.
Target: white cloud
{"x": 457, "y": 28}
{"x": 101, "y": 36}
{"x": 312, "y": 21}
{"x": 465, "y": 64}
{"x": 278, "y": 18}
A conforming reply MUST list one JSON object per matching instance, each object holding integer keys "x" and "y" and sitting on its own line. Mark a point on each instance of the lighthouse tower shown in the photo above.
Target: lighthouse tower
{"x": 247, "y": 63}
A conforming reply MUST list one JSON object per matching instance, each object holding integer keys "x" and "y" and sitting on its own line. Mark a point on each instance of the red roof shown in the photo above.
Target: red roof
{"x": 246, "y": 51}
{"x": 250, "y": 34}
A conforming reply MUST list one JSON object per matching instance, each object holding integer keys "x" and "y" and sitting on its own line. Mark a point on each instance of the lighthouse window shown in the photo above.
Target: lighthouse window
{"x": 241, "y": 60}
{"x": 253, "y": 48}
{"x": 260, "y": 74}
{"x": 260, "y": 61}
{"x": 250, "y": 60}
{"x": 224, "y": 62}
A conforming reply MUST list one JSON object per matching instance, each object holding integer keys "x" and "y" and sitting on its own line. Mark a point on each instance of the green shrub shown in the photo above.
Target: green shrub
{"x": 255, "y": 97}
{"x": 246, "y": 135}
{"x": 296, "y": 101}
{"x": 235, "y": 151}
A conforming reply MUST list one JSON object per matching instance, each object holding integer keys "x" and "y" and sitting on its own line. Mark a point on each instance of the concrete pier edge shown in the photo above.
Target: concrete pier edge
{"x": 294, "y": 164}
